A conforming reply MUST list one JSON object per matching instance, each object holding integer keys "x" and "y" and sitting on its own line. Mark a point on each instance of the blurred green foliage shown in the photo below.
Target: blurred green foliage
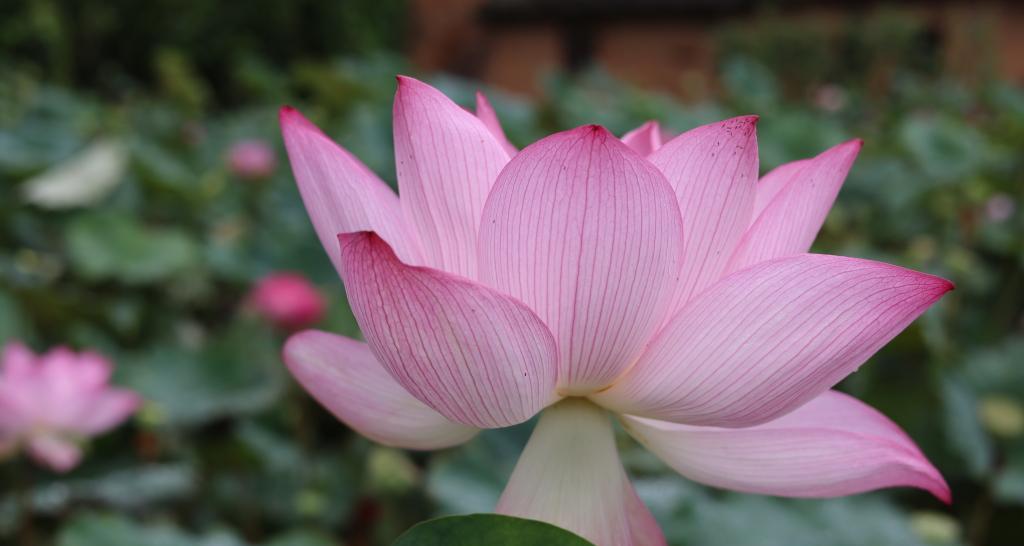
{"x": 864, "y": 49}
{"x": 153, "y": 267}
{"x": 196, "y": 51}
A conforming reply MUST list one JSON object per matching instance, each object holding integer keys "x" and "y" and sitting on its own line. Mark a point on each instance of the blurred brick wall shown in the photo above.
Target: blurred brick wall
{"x": 669, "y": 46}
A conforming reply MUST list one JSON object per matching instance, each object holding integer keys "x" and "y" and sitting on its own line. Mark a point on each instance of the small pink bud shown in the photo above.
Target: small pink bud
{"x": 288, "y": 300}
{"x": 251, "y": 159}
{"x": 830, "y": 97}
{"x": 999, "y": 208}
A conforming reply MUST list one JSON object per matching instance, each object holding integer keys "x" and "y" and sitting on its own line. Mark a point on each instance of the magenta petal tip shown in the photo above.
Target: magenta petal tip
{"x": 405, "y": 82}
{"x": 748, "y": 121}
{"x": 409, "y": 86}
{"x": 742, "y": 125}
{"x": 347, "y": 238}
{"x": 933, "y": 482}
{"x": 290, "y": 117}
{"x": 363, "y": 240}
{"x": 851, "y": 147}
{"x": 943, "y": 493}
{"x": 286, "y": 112}
{"x": 591, "y": 130}
{"x": 941, "y": 285}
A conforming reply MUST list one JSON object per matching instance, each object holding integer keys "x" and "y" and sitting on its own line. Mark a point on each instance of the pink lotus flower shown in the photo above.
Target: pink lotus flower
{"x": 288, "y": 300}
{"x": 50, "y": 404}
{"x": 660, "y": 282}
{"x": 251, "y": 159}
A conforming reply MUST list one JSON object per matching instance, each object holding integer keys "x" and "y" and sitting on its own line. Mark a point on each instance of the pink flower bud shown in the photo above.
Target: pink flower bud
{"x": 830, "y": 97}
{"x": 251, "y": 159}
{"x": 288, "y": 300}
{"x": 999, "y": 208}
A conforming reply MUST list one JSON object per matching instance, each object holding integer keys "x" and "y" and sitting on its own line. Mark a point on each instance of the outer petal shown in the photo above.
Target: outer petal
{"x": 570, "y": 475}
{"x": 791, "y": 220}
{"x": 60, "y": 454}
{"x": 447, "y": 161}
{"x": 93, "y": 370}
{"x": 834, "y": 445}
{"x": 713, "y": 170}
{"x": 340, "y": 193}
{"x": 645, "y": 139}
{"x": 772, "y": 183}
{"x": 476, "y": 356}
{"x": 57, "y": 383}
{"x": 20, "y": 394}
{"x": 13, "y": 421}
{"x": 588, "y": 234}
{"x": 106, "y": 410}
{"x": 344, "y": 376}
{"x": 767, "y": 339}
{"x": 18, "y": 362}
{"x": 485, "y": 112}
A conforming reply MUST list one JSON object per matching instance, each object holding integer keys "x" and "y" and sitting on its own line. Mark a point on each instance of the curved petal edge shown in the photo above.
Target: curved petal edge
{"x": 791, "y": 219}
{"x": 645, "y": 139}
{"x": 446, "y": 160}
{"x": 713, "y": 170}
{"x": 834, "y": 445}
{"x": 765, "y": 340}
{"x": 343, "y": 376}
{"x": 486, "y": 113}
{"x": 474, "y": 355}
{"x": 340, "y": 193}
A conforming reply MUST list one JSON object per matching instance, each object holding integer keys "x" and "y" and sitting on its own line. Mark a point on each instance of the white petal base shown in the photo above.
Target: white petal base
{"x": 570, "y": 475}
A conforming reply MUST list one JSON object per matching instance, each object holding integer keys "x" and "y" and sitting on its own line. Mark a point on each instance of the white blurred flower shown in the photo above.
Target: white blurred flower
{"x": 82, "y": 180}
{"x": 935, "y": 527}
{"x": 1001, "y": 415}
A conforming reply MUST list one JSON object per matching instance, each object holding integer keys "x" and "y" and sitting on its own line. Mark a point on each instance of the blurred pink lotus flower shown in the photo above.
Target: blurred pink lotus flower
{"x": 51, "y": 403}
{"x": 288, "y": 300}
{"x": 251, "y": 159}
{"x": 585, "y": 276}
